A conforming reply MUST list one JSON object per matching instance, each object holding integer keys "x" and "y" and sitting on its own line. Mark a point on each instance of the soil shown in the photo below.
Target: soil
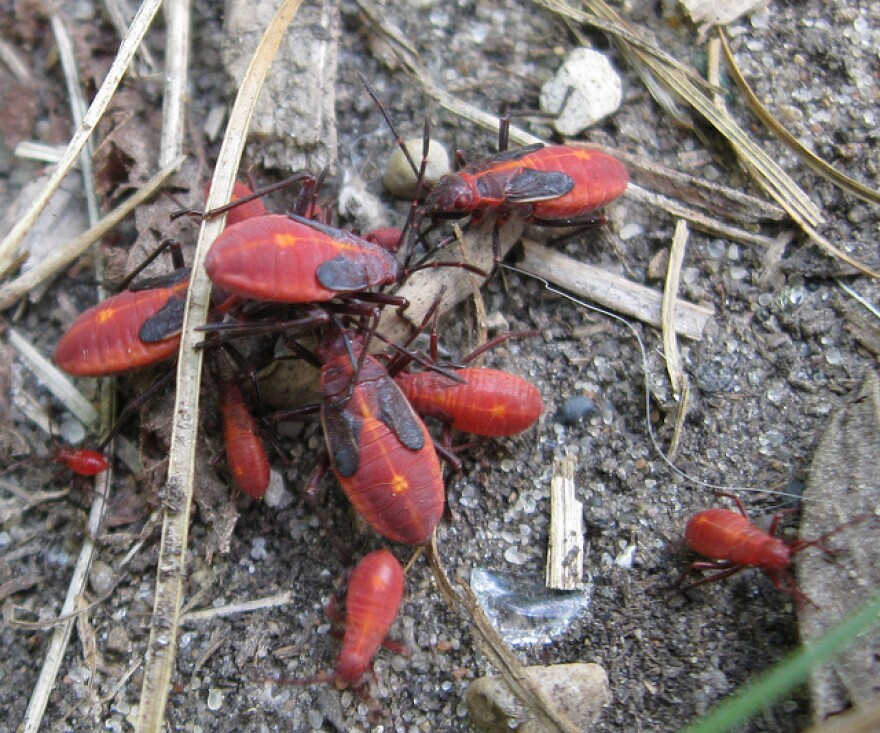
{"x": 776, "y": 361}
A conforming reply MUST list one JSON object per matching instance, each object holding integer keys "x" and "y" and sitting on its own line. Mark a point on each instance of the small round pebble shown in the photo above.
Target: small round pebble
{"x": 400, "y": 179}
{"x": 575, "y": 409}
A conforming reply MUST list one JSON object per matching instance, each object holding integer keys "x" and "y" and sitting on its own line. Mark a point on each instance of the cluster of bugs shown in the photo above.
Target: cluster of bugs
{"x": 332, "y": 283}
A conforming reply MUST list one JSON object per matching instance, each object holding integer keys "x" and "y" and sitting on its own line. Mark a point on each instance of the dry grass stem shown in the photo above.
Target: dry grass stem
{"x": 233, "y": 609}
{"x": 77, "y": 113}
{"x": 701, "y": 221}
{"x": 809, "y": 158}
{"x": 177, "y": 498}
{"x": 677, "y": 376}
{"x": 69, "y": 251}
{"x": 177, "y": 20}
{"x": 69, "y": 609}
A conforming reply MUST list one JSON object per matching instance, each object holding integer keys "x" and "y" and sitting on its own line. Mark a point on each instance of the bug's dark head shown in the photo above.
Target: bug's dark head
{"x": 452, "y": 196}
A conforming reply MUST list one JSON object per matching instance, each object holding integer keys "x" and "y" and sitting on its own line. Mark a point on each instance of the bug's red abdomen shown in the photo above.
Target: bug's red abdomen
{"x": 104, "y": 339}
{"x": 81, "y": 461}
{"x": 722, "y": 534}
{"x": 245, "y": 453}
{"x": 375, "y": 591}
{"x": 276, "y": 258}
{"x": 491, "y": 402}
{"x": 599, "y": 179}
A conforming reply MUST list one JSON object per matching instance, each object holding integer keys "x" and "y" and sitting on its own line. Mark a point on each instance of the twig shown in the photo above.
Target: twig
{"x": 565, "y": 552}
{"x": 258, "y": 604}
{"x": 610, "y": 290}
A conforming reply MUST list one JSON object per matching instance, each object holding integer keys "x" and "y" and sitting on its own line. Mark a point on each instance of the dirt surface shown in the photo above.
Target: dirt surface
{"x": 774, "y": 364}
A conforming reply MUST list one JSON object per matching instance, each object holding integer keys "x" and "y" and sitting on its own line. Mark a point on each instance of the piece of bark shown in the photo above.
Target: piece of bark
{"x": 565, "y": 553}
{"x": 611, "y": 291}
{"x": 294, "y": 124}
{"x": 843, "y": 486}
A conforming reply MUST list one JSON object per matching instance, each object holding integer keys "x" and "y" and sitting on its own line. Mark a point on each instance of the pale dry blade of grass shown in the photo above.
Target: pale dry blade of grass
{"x": 177, "y": 20}
{"x": 677, "y": 377}
{"x": 162, "y": 648}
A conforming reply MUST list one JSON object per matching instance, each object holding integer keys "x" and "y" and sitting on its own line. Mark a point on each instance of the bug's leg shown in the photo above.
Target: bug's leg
{"x": 725, "y": 567}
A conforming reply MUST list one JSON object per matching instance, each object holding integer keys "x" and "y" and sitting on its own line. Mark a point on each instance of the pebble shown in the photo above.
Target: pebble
{"x": 399, "y": 177}
{"x": 596, "y": 91}
{"x": 575, "y": 409}
{"x": 579, "y": 691}
{"x": 101, "y": 577}
{"x": 215, "y": 698}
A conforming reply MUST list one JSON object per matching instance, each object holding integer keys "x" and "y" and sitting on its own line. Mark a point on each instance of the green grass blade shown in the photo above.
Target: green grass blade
{"x": 785, "y": 675}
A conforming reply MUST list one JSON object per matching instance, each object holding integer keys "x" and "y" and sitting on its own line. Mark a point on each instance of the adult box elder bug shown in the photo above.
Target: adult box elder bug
{"x": 134, "y": 329}
{"x": 556, "y": 185}
{"x": 289, "y": 259}
{"x": 378, "y": 447}
{"x": 734, "y": 543}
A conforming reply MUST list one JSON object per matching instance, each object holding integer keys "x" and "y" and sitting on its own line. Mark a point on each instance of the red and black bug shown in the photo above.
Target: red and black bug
{"x": 378, "y": 447}
{"x": 131, "y": 330}
{"x": 733, "y": 543}
{"x": 557, "y": 185}
{"x": 245, "y": 452}
{"x": 289, "y": 259}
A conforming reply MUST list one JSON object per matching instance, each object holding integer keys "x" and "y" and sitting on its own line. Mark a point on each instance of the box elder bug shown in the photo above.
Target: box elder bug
{"x": 245, "y": 452}
{"x": 733, "y": 543}
{"x": 378, "y": 447}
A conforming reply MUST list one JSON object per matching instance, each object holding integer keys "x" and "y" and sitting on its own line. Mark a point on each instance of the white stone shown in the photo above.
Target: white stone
{"x": 596, "y": 91}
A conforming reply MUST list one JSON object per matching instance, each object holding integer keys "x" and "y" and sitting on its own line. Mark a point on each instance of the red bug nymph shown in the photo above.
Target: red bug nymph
{"x": 245, "y": 453}
{"x": 734, "y": 543}
{"x": 375, "y": 591}
{"x": 487, "y": 402}
{"x": 82, "y": 461}
{"x": 289, "y": 259}
{"x": 131, "y": 330}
